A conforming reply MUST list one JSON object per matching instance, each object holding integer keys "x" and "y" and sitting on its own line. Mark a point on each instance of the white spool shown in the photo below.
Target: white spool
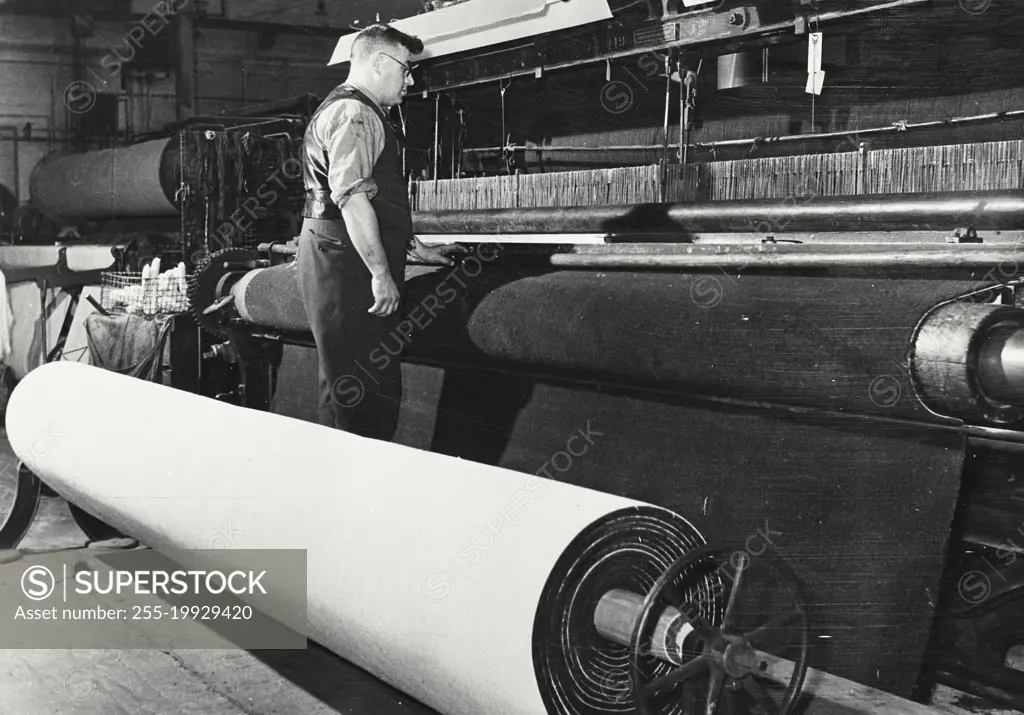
{"x": 388, "y": 529}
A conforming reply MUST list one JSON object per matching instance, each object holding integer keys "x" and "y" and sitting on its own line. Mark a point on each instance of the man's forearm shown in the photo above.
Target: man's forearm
{"x": 361, "y": 222}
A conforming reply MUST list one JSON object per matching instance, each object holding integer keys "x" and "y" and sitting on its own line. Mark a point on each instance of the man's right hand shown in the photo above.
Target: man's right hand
{"x": 385, "y": 295}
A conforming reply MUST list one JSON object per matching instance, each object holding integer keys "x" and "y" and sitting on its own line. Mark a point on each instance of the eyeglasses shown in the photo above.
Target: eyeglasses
{"x": 408, "y": 69}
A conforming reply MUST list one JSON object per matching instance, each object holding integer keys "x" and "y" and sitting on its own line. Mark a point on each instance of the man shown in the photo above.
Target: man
{"x": 356, "y": 233}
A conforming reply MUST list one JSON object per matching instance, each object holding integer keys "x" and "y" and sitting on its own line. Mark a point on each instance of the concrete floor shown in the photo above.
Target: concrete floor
{"x": 198, "y": 682}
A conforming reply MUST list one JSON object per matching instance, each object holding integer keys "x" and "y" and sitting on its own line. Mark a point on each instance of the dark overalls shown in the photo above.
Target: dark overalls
{"x": 360, "y": 371}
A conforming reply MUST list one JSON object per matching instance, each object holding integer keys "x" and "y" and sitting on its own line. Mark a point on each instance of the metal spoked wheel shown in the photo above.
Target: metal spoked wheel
{"x": 209, "y": 286}
{"x": 735, "y": 658}
{"x": 27, "y": 493}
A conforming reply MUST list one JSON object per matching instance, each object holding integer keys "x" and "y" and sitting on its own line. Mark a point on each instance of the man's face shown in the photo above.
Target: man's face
{"x": 395, "y": 75}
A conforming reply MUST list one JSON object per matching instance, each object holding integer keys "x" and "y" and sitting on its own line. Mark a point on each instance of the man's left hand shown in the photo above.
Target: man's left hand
{"x": 435, "y": 255}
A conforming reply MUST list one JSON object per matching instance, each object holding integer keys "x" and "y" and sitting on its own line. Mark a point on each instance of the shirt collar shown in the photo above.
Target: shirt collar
{"x": 367, "y": 92}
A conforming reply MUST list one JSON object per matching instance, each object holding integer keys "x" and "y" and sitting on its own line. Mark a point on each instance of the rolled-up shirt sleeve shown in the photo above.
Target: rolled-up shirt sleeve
{"x": 354, "y": 139}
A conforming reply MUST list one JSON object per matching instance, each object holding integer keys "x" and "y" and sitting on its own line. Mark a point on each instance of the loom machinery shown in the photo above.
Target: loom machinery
{"x": 829, "y": 390}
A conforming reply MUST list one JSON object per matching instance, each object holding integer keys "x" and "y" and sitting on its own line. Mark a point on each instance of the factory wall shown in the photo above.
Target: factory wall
{"x": 234, "y": 70}
{"x": 35, "y": 66}
{"x": 237, "y": 69}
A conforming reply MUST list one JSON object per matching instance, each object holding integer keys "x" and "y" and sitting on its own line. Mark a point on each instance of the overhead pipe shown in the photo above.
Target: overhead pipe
{"x": 724, "y": 42}
{"x": 932, "y": 211}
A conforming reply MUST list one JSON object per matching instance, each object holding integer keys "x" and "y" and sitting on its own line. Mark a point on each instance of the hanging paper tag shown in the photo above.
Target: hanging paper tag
{"x": 815, "y": 82}
{"x": 814, "y": 41}
{"x": 815, "y": 77}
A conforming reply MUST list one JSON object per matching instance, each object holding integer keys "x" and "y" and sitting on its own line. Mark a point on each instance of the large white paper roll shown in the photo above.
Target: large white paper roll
{"x": 120, "y": 182}
{"x": 443, "y": 577}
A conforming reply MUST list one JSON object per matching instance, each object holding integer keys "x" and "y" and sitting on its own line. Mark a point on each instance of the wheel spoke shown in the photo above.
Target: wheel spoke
{"x": 733, "y": 704}
{"x": 727, "y": 622}
{"x": 690, "y": 611}
{"x": 689, "y": 698}
{"x": 767, "y": 635}
{"x": 670, "y": 680}
{"x": 734, "y": 643}
{"x": 714, "y": 691}
{"x": 765, "y": 704}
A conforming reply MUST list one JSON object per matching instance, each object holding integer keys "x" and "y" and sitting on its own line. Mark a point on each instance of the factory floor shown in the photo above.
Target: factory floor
{"x": 200, "y": 682}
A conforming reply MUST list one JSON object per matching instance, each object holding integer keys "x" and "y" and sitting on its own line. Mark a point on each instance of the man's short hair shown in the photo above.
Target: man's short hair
{"x": 381, "y": 38}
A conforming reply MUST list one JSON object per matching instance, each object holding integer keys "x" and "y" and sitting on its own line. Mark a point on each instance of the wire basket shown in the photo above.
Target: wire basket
{"x": 126, "y": 293}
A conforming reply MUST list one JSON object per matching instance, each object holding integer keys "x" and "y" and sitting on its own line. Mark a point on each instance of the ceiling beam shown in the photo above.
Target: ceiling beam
{"x": 97, "y": 9}
{"x": 281, "y": 28}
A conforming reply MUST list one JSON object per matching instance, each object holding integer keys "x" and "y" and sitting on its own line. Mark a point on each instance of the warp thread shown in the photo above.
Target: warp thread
{"x": 959, "y": 167}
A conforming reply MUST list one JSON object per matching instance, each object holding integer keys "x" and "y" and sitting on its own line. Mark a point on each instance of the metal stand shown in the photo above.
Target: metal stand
{"x": 23, "y": 510}
{"x": 29, "y": 487}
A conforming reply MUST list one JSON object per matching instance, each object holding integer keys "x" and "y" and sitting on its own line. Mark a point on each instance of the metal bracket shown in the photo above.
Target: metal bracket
{"x": 964, "y": 235}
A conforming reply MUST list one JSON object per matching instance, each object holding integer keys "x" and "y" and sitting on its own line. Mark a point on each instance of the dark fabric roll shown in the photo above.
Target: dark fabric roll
{"x": 836, "y": 343}
{"x": 271, "y": 298}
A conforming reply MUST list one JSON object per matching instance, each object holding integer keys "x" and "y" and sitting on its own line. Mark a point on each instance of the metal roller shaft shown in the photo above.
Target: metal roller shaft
{"x": 675, "y": 641}
{"x": 758, "y": 257}
{"x": 806, "y": 211}
{"x": 616, "y": 615}
{"x": 968, "y": 360}
{"x": 1001, "y": 364}
{"x": 921, "y": 257}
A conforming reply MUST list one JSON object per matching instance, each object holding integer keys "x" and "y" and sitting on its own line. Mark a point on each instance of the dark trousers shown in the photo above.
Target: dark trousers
{"x": 360, "y": 380}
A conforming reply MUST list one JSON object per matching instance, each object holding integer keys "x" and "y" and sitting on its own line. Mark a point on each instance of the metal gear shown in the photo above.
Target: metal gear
{"x": 209, "y": 289}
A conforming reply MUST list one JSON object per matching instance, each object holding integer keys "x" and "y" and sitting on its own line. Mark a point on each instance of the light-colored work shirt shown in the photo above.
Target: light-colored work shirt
{"x": 353, "y": 137}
